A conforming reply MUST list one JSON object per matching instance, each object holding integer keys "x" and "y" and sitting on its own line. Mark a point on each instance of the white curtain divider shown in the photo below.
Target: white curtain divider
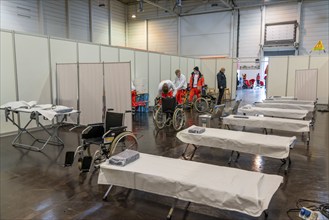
{"x": 306, "y": 84}
{"x": 91, "y": 93}
{"x": 67, "y": 86}
{"x": 117, "y": 89}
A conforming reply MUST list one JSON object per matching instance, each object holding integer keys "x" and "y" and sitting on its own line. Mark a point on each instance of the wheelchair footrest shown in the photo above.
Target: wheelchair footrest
{"x": 69, "y": 158}
{"x": 86, "y": 162}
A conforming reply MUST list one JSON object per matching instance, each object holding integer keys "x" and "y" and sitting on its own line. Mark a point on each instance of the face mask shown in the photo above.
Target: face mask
{"x": 195, "y": 72}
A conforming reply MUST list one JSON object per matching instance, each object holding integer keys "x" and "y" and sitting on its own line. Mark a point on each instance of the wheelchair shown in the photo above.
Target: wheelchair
{"x": 111, "y": 137}
{"x": 206, "y": 102}
{"x": 169, "y": 113}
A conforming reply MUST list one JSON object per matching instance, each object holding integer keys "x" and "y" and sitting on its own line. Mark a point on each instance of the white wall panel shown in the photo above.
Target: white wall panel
{"x": 165, "y": 67}
{"x": 207, "y": 34}
{"x": 295, "y": 63}
{"x": 118, "y": 23}
{"x": 281, "y": 13}
{"x": 183, "y": 62}
{"x": 250, "y": 26}
{"x": 128, "y": 56}
{"x": 7, "y": 78}
{"x": 197, "y": 62}
{"x": 162, "y": 35}
{"x": 190, "y": 65}
{"x": 174, "y": 63}
{"x": 234, "y": 75}
{"x": 209, "y": 72}
{"x": 100, "y": 23}
{"x": 79, "y": 20}
{"x": 322, "y": 64}
{"x": 109, "y": 54}
{"x": 20, "y": 15}
{"x": 58, "y": 56}
{"x": 33, "y": 70}
{"x": 154, "y": 76}
{"x": 54, "y": 15}
{"x": 88, "y": 53}
{"x": 277, "y": 76}
{"x": 314, "y": 24}
{"x": 141, "y": 79}
{"x": 137, "y": 35}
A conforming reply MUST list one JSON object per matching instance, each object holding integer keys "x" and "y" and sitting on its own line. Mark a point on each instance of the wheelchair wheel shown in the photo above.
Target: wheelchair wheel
{"x": 160, "y": 118}
{"x": 125, "y": 140}
{"x": 155, "y": 109}
{"x": 201, "y": 105}
{"x": 179, "y": 119}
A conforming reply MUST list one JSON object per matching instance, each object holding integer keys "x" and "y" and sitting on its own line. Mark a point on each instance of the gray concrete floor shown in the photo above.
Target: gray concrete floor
{"x": 36, "y": 185}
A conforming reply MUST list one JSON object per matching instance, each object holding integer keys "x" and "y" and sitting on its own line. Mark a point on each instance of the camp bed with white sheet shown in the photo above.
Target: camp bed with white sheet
{"x": 297, "y": 102}
{"x": 283, "y": 97}
{"x": 56, "y": 114}
{"x": 309, "y": 108}
{"x": 237, "y": 141}
{"x": 225, "y": 188}
{"x": 282, "y": 124}
{"x": 274, "y": 112}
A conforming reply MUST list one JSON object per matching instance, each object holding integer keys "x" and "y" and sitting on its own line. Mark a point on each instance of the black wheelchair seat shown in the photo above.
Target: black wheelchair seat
{"x": 169, "y": 105}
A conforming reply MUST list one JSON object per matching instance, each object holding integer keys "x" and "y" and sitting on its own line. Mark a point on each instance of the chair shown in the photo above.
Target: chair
{"x": 107, "y": 136}
{"x": 233, "y": 110}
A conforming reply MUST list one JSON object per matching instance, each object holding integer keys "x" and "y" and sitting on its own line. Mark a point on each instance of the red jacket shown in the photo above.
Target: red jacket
{"x": 200, "y": 80}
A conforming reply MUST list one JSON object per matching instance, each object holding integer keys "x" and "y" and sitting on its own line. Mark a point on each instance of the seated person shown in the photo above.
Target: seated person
{"x": 167, "y": 89}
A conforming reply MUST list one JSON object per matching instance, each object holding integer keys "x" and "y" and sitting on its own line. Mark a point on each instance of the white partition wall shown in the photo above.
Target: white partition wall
{"x": 88, "y": 53}
{"x": 306, "y": 84}
{"x": 57, "y": 56}
{"x": 128, "y": 56}
{"x": 183, "y": 66}
{"x": 154, "y": 76}
{"x": 7, "y": 78}
{"x": 208, "y": 69}
{"x": 197, "y": 62}
{"x": 91, "y": 93}
{"x": 190, "y": 65}
{"x": 33, "y": 70}
{"x": 295, "y": 63}
{"x": 234, "y": 75}
{"x": 109, "y": 54}
{"x": 117, "y": 89}
{"x": 277, "y": 76}
{"x": 165, "y": 67}
{"x": 141, "y": 71}
{"x": 174, "y": 63}
{"x": 322, "y": 64}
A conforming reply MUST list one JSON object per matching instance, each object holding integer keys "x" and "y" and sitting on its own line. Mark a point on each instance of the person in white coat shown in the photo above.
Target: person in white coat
{"x": 181, "y": 85}
{"x": 167, "y": 89}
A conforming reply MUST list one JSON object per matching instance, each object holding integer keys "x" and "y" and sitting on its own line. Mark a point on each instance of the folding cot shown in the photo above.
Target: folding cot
{"x": 237, "y": 141}
{"x": 220, "y": 187}
{"x": 282, "y": 124}
{"x": 301, "y": 102}
{"x": 309, "y": 108}
{"x": 274, "y": 112}
{"x": 48, "y": 111}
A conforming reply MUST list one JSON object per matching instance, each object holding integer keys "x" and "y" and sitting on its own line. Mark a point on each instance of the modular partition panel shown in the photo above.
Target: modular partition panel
{"x": 117, "y": 89}
{"x": 306, "y": 84}
{"x": 67, "y": 86}
{"x": 91, "y": 93}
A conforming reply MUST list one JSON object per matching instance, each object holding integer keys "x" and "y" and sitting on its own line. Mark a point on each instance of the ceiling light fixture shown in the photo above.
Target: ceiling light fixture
{"x": 133, "y": 16}
{"x": 140, "y": 6}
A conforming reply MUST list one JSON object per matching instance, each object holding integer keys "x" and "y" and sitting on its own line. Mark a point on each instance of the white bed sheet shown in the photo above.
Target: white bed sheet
{"x": 273, "y": 112}
{"x": 260, "y": 144}
{"x": 283, "y": 97}
{"x": 46, "y": 110}
{"x": 297, "y": 102}
{"x": 282, "y": 124}
{"x": 220, "y": 187}
{"x": 309, "y": 108}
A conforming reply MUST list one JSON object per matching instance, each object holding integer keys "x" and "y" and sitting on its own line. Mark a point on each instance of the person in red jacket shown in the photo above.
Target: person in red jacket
{"x": 196, "y": 83}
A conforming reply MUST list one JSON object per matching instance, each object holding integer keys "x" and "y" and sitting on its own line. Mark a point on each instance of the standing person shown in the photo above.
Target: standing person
{"x": 196, "y": 83}
{"x": 167, "y": 89}
{"x": 181, "y": 85}
{"x": 221, "y": 83}
{"x": 258, "y": 79}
